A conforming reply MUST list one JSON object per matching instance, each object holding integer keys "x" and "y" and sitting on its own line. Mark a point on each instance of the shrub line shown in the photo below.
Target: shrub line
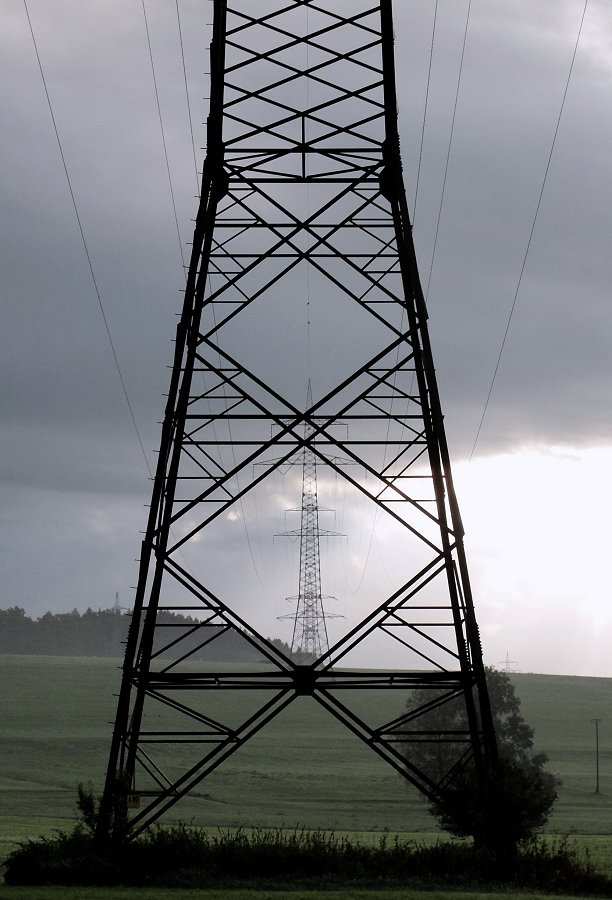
{"x": 188, "y": 856}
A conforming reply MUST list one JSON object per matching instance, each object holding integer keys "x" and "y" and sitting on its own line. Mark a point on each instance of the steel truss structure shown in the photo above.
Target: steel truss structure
{"x": 302, "y": 205}
{"x": 309, "y": 641}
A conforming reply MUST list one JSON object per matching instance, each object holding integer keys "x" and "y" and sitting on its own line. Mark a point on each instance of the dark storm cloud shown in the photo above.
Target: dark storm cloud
{"x": 71, "y": 463}
{"x": 515, "y": 68}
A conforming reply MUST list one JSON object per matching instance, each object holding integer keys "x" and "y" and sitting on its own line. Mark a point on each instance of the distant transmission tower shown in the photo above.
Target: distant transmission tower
{"x": 302, "y": 197}
{"x": 507, "y": 664}
{"x": 309, "y": 641}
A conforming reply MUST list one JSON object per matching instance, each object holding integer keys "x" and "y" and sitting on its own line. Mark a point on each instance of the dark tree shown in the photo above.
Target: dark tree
{"x": 510, "y": 802}
{"x": 503, "y": 809}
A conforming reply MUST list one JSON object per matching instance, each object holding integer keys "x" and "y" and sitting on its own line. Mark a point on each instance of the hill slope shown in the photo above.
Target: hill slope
{"x": 303, "y": 769}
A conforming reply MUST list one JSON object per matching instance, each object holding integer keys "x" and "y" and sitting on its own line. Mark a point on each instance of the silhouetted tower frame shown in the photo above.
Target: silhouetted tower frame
{"x": 302, "y": 171}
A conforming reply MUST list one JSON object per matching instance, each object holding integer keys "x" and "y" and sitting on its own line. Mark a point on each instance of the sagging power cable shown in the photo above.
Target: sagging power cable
{"x": 531, "y": 233}
{"x": 83, "y": 239}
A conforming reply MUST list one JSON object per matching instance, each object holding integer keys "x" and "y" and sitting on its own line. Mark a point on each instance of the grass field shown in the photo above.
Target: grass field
{"x": 302, "y": 770}
{"x": 78, "y": 893}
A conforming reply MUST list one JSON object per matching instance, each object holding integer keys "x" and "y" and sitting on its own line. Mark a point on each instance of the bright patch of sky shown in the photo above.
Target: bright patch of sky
{"x": 538, "y": 539}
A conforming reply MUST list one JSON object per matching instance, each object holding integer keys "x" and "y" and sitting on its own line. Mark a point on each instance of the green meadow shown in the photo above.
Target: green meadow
{"x": 79, "y": 893}
{"x": 303, "y": 770}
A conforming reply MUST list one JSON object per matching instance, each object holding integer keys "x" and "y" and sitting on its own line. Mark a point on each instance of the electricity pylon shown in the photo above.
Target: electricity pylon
{"x": 309, "y": 640}
{"x": 302, "y": 205}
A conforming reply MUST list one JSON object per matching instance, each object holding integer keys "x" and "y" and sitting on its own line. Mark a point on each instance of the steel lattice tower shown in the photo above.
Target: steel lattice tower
{"x": 302, "y": 197}
{"x": 310, "y": 630}
{"x": 309, "y": 641}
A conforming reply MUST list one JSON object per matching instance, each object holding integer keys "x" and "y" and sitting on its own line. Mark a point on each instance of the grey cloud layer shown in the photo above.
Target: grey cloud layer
{"x": 68, "y": 441}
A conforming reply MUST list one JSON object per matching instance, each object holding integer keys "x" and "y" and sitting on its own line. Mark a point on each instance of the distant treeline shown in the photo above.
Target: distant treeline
{"x": 103, "y": 633}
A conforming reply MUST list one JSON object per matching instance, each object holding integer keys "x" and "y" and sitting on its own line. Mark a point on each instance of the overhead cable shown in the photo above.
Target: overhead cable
{"x": 531, "y": 233}
{"x": 163, "y": 133}
{"x": 418, "y": 175}
{"x": 180, "y": 33}
{"x": 450, "y": 144}
{"x": 83, "y": 239}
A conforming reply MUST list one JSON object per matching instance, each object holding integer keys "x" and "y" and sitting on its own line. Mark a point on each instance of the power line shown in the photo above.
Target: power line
{"x": 86, "y": 248}
{"x": 450, "y": 144}
{"x": 377, "y": 515}
{"x": 418, "y": 175}
{"x": 163, "y": 134}
{"x": 531, "y": 233}
{"x": 83, "y": 239}
{"x": 182, "y": 46}
{"x": 180, "y": 33}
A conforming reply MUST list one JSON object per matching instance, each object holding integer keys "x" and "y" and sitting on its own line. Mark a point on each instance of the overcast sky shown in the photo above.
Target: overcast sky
{"x": 536, "y": 495}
